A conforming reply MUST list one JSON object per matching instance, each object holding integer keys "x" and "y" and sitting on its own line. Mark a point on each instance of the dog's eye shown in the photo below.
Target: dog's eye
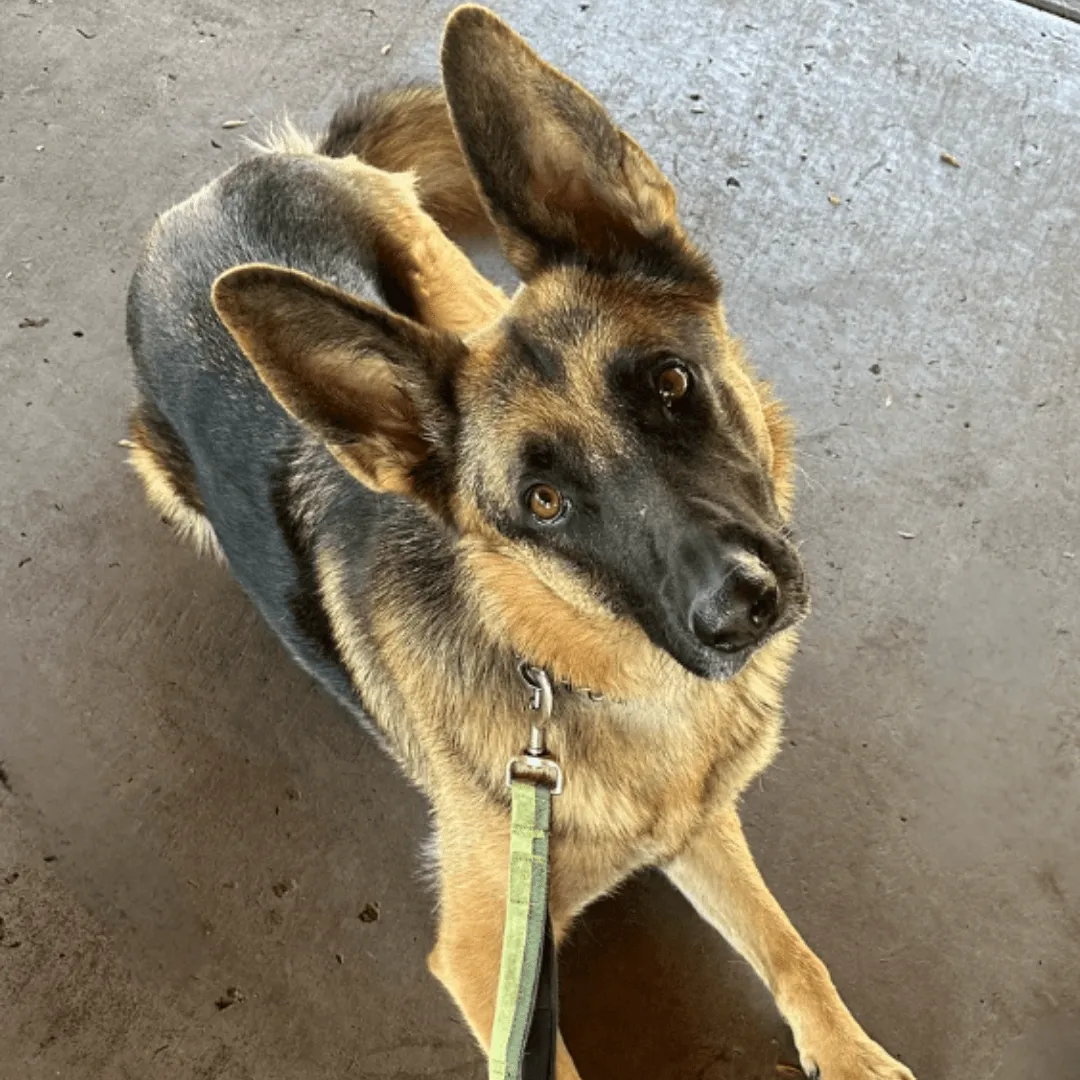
{"x": 545, "y": 503}
{"x": 672, "y": 382}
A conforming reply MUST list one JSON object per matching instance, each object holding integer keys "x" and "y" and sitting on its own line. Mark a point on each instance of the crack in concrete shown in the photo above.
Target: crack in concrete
{"x": 1063, "y": 9}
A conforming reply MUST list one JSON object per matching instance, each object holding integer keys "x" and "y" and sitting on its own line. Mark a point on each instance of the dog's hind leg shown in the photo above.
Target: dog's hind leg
{"x": 168, "y": 477}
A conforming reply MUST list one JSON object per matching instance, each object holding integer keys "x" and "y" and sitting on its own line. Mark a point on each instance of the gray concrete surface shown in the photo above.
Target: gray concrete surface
{"x": 167, "y": 772}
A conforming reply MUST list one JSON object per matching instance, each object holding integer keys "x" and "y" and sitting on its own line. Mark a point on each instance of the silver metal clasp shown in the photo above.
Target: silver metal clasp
{"x": 541, "y": 703}
{"x": 534, "y": 764}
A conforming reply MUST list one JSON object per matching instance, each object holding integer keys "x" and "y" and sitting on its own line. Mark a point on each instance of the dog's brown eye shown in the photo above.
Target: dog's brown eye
{"x": 545, "y": 502}
{"x": 672, "y": 382}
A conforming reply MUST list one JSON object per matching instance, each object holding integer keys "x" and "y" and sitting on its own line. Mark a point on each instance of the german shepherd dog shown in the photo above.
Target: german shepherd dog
{"x": 420, "y": 482}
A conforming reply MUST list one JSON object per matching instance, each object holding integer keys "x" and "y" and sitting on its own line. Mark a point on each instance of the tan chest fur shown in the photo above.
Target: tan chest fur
{"x": 640, "y": 776}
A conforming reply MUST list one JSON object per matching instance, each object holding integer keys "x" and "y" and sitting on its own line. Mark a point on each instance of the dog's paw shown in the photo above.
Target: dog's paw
{"x": 855, "y": 1058}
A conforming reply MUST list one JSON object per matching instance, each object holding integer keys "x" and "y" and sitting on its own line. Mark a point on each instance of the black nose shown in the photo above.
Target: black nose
{"x": 738, "y": 613}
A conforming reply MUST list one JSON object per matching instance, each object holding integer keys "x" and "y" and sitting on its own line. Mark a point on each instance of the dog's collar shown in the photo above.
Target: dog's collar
{"x": 525, "y": 667}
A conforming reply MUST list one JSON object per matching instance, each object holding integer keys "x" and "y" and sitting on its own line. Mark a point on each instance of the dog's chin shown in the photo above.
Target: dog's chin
{"x": 712, "y": 664}
{"x": 690, "y": 654}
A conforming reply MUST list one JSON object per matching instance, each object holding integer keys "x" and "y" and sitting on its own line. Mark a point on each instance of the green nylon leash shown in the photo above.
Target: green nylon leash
{"x": 528, "y": 961}
{"x": 526, "y": 922}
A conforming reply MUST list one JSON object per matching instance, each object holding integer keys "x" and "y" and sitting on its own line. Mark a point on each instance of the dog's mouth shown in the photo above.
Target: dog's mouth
{"x": 717, "y": 664}
{"x": 713, "y": 622}
{"x": 721, "y": 664}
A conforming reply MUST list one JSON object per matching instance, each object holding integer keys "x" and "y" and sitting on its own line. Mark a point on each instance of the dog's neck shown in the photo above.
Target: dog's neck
{"x": 559, "y": 685}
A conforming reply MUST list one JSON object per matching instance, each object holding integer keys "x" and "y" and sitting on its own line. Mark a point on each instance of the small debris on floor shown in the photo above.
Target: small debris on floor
{"x": 292, "y": 792}
{"x": 1068, "y": 554}
{"x": 385, "y": 49}
{"x": 215, "y": 144}
{"x": 875, "y": 369}
{"x": 230, "y": 124}
{"x": 127, "y": 444}
{"x": 4, "y": 937}
{"x": 733, "y": 181}
{"x": 232, "y": 996}
{"x": 283, "y": 888}
{"x": 369, "y": 914}
{"x": 339, "y": 957}
{"x": 906, "y": 535}
{"x": 33, "y": 324}
{"x": 697, "y": 109}
{"x": 834, "y": 199}
{"x": 949, "y": 159}
{"x": 88, "y": 34}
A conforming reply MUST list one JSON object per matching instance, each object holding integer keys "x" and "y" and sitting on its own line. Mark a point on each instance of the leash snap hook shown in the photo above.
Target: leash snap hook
{"x": 534, "y": 765}
{"x": 541, "y": 694}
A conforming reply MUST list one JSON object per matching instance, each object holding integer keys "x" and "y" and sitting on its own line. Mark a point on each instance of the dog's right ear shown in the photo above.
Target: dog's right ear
{"x": 557, "y": 175}
{"x": 374, "y": 386}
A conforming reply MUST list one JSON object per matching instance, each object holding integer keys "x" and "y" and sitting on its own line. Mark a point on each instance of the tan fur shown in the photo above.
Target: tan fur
{"x": 283, "y": 137}
{"x": 717, "y": 873}
{"x": 164, "y": 494}
{"x": 610, "y": 656}
{"x": 409, "y": 130}
{"x": 451, "y": 293}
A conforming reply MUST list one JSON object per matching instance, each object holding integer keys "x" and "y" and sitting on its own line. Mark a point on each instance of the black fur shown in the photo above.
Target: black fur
{"x": 241, "y": 449}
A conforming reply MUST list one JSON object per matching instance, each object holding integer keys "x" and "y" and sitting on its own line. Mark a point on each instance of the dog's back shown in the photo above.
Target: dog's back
{"x": 220, "y": 458}
{"x": 216, "y": 451}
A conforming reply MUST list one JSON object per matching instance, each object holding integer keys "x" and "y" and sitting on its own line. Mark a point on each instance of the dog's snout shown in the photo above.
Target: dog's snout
{"x": 739, "y": 610}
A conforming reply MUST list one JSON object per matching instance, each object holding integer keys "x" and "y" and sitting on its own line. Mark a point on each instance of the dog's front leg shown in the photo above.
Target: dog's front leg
{"x": 718, "y": 875}
{"x": 473, "y": 854}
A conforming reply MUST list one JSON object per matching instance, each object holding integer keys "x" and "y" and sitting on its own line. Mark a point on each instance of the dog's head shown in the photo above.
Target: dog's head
{"x": 617, "y": 480}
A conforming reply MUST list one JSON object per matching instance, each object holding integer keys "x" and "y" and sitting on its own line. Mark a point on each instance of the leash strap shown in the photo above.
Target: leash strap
{"x": 523, "y": 1036}
{"x": 544, "y": 1033}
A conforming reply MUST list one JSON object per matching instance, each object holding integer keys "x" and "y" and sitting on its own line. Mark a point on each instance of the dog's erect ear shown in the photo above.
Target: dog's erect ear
{"x": 374, "y": 386}
{"x": 557, "y": 175}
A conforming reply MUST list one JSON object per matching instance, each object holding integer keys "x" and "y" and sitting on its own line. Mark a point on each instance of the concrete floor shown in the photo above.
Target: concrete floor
{"x": 167, "y": 773}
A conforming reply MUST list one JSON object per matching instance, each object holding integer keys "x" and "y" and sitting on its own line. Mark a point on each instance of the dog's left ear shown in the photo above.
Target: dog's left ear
{"x": 377, "y": 388}
{"x": 556, "y": 173}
